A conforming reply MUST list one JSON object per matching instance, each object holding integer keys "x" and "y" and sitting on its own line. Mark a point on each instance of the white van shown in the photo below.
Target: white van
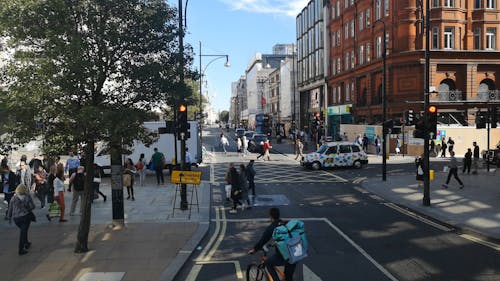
{"x": 165, "y": 145}
{"x": 336, "y": 154}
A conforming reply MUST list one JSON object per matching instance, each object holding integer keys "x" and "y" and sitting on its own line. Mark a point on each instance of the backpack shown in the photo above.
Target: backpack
{"x": 79, "y": 181}
{"x": 291, "y": 241}
{"x": 138, "y": 165}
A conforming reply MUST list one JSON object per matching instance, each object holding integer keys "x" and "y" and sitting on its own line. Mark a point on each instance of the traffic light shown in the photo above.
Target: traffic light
{"x": 419, "y": 132}
{"x": 432, "y": 114}
{"x": 182, "y": 123}
{"x": 480, "y": 120}
{"x": 494, "y": 117}
{"x": 409, "y": 118}
{"x": 389, "y": 124}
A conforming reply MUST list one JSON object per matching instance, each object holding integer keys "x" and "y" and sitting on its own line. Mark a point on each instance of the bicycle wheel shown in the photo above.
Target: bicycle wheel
{"x": 256, "y": 273}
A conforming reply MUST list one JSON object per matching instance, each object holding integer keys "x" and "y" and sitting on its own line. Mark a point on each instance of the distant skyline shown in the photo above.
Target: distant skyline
{"x": 239, "y": 29}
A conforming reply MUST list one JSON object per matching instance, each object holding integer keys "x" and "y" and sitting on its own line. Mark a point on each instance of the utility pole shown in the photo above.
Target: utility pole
{"x": 426, "y": 201}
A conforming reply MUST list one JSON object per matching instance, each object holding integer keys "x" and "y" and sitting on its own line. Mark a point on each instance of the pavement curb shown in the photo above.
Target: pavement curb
{"x": 171, "y": 271}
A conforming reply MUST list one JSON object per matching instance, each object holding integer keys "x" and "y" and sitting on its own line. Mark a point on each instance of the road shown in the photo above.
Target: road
{"x": 353, "y": 235}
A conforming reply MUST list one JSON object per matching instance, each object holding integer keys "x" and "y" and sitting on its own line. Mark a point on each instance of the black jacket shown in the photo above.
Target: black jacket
{"x": 267, "y": 235}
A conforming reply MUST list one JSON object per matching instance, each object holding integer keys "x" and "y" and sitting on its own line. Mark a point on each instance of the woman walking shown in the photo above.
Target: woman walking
{"x": 235, "y": 188}
{"x": 21, "y": 210}
{"x": 97, "y": 184}
{"x": 41, "y": 185}
{"x": 141, "y": 168}
{"x": 128, "y": 178}
{"x": 59, "y": 190}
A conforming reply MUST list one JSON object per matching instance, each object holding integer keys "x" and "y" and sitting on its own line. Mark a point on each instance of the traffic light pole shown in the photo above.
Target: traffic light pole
{"x": 426, "y": 201}
{"x": 184, "y": 205}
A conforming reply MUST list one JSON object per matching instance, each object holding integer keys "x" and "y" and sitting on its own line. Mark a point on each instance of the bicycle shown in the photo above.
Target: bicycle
{"x": 258, "y": 272}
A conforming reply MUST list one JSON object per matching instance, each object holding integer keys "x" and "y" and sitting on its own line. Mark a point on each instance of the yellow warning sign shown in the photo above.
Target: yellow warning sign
{"x": 186, "y": 177}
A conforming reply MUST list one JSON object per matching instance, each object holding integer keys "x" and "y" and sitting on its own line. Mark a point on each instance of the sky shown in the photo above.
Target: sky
{"x": 238, "y": 28}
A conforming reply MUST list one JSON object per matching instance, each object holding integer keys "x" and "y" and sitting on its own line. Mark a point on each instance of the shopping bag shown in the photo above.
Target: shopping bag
{"x": 54, "y": 209}
{"x": 228, "y": 190}
{"x": 446, "y": 169}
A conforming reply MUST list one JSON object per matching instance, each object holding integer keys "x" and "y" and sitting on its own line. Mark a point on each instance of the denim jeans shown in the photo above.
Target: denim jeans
{"x": 24, "y": 224}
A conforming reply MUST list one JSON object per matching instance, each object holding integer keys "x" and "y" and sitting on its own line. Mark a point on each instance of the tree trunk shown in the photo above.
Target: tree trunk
{"x": 84, "y": 228}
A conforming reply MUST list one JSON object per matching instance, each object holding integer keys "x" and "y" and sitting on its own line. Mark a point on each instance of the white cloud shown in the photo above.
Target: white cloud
{"x": 284, "y": 7}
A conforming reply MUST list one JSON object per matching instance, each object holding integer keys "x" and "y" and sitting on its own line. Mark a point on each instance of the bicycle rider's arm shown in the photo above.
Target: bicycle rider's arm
{"x": 266, "y": 236}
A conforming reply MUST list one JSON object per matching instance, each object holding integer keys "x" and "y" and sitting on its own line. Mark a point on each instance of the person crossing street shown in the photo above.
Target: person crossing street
{"x": 453, "y": 170}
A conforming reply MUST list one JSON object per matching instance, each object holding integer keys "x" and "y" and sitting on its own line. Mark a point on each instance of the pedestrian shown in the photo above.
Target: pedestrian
{"x": 432, "y": 147}
{"x": 96, "y": 183}
{"x": 476, "y": 157}
{"x": 359, "y": 140}
{"x": 398, "y": 145}
{"x": 24, "y": 175}
{"x": 267, "y": 147}
{"x": 244, "y": 142}
{"x": 188, "y": 159}
{"x": 419, "y": 163}
{"x": 243, "y": 183}
{"x": 443, "y": 147}
{"x": 9, "y": 183}
{"x": 344, "y": 136}
{"x": 227, "y": 178}
{"x": 450, "y": 144}
{"x": 239, "y": 144}
{"x": 128, "y": 178}
{"x": 299, "y": 147}
{"x": 59, "y": 191}
{"x": 235, "y": 188}
{"x": 377, "y": 145}
{"x": 21, "y": 210}
{"x": 72, "y": 165}
{"x": 453, "y": 169}
{"x": 50, "y": 183}
{"x": 41, "y": 185}
{"x": 78, "y": 181}
{"x": 366, "y": 142}
{"x": 158, "y": 161}
{"x": 467, "y": 161}
{"x": 141, "y": 169}
{"x": 224, "y": 142}
{"x": 250, "y": 169}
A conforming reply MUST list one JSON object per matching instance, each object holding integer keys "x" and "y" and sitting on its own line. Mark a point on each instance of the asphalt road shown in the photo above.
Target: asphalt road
{"x": 353, "y": 235}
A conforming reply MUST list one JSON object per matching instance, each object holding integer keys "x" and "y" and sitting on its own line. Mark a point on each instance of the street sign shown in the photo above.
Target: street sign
{"x": 186, "y": 177}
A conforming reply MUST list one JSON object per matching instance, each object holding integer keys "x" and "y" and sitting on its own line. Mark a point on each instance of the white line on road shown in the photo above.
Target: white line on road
{"x": 481, "y": 241}
{"x": 417, "y": 217}
{"x": 339, "y": 178}
{"x": 212, "y": 174}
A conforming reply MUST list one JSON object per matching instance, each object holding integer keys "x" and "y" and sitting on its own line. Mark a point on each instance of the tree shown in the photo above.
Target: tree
{"x": 224, "y": 116}
{"x": 89, "y": 71}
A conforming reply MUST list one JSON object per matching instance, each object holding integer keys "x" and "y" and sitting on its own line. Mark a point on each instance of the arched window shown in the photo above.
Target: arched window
{"x": 486, "y": 90}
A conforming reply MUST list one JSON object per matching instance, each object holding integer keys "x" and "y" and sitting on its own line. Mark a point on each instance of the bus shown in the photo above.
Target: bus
{"x": 262, "y": 124}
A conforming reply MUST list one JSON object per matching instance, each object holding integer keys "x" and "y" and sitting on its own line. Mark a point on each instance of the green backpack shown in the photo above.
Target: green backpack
{"x": 291, "y": 241}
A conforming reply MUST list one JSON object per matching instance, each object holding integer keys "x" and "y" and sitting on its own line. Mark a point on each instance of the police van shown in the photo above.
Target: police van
{"x": 336, "y": 154}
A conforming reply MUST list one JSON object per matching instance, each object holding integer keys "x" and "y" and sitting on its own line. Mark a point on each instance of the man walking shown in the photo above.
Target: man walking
{"x": 71, "y": 166}
{"x": 224, "y": 142}
{"x": 299, "y": 146}
{"x": 250, "y": 170}
{"x": 443, "y": 148}
{"x": 78, "y": 181}
{"x": 158, "y": 159}
{"x": 453, "y": 166}
{"x": 476, "y": 158}
{"x": 451, "y": 144}
{"x": 467, "y": 161}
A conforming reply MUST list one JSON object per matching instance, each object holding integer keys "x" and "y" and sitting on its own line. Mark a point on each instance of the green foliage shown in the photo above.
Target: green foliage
{"x": 224, "y": 116}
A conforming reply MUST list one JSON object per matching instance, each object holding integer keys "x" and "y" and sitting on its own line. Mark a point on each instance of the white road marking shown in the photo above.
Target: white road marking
{"x": 214, "y": 236}
{"x": 339, "y": 178}
{"x": 481, "y": 241}
{"x": 359, "y": 180}
{"x": 359, "y": 189}
{"x": 212, "y": 174}
{"x": 309, "y": 275}
{"x": 219, "y": 240}
{"x": 417, "y": 217}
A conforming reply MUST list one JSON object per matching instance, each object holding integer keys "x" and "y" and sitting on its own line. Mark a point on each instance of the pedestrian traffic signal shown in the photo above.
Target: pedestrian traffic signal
{"x": 409, "y": 118}
{"x": 420, "y": 129}
{"x": 432, "y": 113}
{"x": 480, "y": 120}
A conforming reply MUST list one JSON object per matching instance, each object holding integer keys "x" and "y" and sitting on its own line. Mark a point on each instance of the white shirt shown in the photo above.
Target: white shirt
{"x": 58, "y": 185}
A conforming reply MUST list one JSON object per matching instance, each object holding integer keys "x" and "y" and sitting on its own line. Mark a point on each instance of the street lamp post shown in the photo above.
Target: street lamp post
{"x": 426, "y": 200}
{"x": 202, "y": 72}
{"x": 384, "y": 100}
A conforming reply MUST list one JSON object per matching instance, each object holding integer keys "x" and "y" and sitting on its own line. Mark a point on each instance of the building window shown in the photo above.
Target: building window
{"x": 449, "y": 3}
{"x": 346, "y": 61}
{"x": 338, "y": 94}
{"x": 338, "y": 9}
{"x": 346, "y": 31}
{"x": 435, "y": 3}
{"x": 346, "y": 4}
{"x": 352, "y": 28}
{"x": 334, "y": 68}
{"x": 477, "y": 4}
{"x": 377, "y": 10}
{"x": 338, "y": 65}
{"x": 353, "y": 59}
{"x": 491, "y": 4}
{"x": 361, "y": 22}
{"x": 338, "y": 37}
{"x": 333, "y": 12}
{"x": 435, "y": 38}
{"x": 367, "y": 16}
{"x": 477, "y": 38}
{"x": 386, "y": 8}
{"x": 334, "y": 95}
{"x": 449, "y": 37}
{"x": 386, "y": 43}
{"x": 368, "y": 53}
{"x": 347, "y": 92}
{"x": 378, "y": 47}
{"x": 361, "y": 54}
{"x": 491, "y": 38}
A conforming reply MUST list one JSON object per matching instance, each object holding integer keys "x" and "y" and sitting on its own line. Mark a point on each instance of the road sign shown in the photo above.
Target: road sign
{"x": 186, "y": 177}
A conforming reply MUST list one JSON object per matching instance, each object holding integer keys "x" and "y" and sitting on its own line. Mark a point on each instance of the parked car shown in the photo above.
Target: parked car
{"x": 254, "y": 145}
{"x": 336, "y": 154}
{"x": 239, "y": 133}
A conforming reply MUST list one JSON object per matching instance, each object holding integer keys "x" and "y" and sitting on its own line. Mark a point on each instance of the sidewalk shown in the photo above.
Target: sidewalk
{"x": 153, "y": 245}
{"x": 476, "y": 207}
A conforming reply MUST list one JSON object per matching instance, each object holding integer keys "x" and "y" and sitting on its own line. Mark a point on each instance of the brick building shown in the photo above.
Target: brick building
{"x": 464, "y": 57}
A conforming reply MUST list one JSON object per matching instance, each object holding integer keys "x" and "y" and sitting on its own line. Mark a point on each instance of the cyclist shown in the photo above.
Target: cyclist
{"x": 276, "y": 259}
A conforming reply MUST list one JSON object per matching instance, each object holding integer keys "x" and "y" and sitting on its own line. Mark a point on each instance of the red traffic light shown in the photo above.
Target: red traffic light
{"x": 182, "y": 108}
{"x": 432, "y": 109}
